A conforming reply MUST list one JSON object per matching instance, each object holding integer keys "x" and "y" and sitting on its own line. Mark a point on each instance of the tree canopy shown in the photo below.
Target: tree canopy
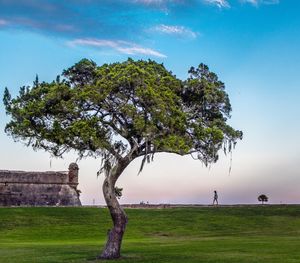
{"x": 135, "y": 107}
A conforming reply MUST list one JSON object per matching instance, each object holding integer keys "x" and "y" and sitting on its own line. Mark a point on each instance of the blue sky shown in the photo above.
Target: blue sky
{"x": 253, "y": 46}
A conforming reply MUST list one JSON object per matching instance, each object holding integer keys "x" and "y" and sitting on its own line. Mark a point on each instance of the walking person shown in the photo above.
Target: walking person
{"x": 215, "y": 201}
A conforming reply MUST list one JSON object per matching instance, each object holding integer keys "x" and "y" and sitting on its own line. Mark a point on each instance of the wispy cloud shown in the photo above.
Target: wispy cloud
{"x": 118, "y": 45}
{"x": 150, "y": 2}
{"x": 261, "y": 2}
{"x": 162, "y": 5}
{"x": 218, "y": 3}
{"x": 156, "y": 2}
{"x": 74, "y": 19}
{"x": 175, "y": 30}
{"x": 253, "y": 2}
{"x": 3, "y": 22}
{"x": 19, "y": 22}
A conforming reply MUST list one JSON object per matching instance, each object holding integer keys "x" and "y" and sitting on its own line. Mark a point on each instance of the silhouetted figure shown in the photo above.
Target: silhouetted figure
{"x": 215, "y": 198}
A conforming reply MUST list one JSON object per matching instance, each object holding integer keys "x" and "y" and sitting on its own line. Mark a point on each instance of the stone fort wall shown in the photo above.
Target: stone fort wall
{"x": 20, "y": 188}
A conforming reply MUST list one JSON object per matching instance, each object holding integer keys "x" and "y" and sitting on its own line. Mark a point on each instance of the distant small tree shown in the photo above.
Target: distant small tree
{"x": 262, "y": 199}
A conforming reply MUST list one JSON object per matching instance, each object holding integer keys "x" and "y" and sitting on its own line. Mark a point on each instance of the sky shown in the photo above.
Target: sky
{"x": 252, "y": 45}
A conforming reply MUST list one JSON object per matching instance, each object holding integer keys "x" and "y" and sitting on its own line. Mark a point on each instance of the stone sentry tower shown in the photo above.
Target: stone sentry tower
{"x": 20, "y": 188}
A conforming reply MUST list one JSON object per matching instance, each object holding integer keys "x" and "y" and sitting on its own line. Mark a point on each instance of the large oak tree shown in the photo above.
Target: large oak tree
{"x": 120, "y": 112}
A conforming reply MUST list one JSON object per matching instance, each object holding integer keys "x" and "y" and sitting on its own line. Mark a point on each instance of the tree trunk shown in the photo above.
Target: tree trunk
{"x": 115, "y": 235}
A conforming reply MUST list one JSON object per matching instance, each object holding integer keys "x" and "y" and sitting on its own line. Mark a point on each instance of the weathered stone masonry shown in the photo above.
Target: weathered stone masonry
{"x": 19, "y": 188}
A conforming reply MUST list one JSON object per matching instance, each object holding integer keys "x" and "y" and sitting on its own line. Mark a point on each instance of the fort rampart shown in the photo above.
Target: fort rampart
{"x": 21, "y": 188}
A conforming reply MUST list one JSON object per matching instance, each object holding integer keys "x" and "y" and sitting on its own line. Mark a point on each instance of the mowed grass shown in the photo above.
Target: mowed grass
{"x": 204, "y": 234}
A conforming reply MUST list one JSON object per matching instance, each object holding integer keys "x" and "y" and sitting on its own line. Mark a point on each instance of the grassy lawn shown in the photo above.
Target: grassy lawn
{"x": 223, "y": 234}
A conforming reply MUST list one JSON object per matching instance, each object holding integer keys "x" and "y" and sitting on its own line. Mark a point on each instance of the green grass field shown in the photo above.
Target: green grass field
{"x": 223, "y": 234}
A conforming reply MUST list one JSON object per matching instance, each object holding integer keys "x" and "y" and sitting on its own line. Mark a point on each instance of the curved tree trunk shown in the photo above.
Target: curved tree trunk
{"x": 114, "y": 236}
